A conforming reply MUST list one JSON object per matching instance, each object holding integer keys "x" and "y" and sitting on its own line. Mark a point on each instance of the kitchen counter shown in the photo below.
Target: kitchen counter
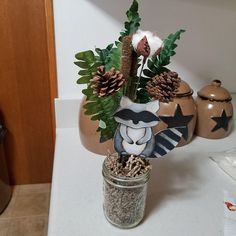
{"x": 185, "y": 195}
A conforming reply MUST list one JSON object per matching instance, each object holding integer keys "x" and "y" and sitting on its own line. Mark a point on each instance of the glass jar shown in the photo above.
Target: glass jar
{"x": 124, "y": 198}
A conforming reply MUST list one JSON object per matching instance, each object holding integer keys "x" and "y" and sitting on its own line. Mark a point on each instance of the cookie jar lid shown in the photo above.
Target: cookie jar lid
{"x": 184, "y": 89}
{"x": 214, "y": 92}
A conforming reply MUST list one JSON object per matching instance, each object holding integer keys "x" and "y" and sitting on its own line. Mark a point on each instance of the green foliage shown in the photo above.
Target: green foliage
{"x": 98, "y": 108}
{"x": 131, "y": 26}
{"x": 102, "y": 109}
{"x": 156, "y": 65}
{"x": 143, "y": 96}
{"x": 133, "y": 23}
{"x": 114, "y": 57}
{"x": 88, "y": 64}
{"x": 169, "y": 46}
{"x": 104, "y": 53}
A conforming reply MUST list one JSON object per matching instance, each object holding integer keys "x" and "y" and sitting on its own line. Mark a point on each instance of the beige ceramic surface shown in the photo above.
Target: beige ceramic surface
{"x": 89, "y": 137}
{"x": 211, "y": 101}
{"x": 188, "y": 107}
{"x": 215, "y": 92}
{"x": 184, "y": 89}
{"x": 206, "y": 110}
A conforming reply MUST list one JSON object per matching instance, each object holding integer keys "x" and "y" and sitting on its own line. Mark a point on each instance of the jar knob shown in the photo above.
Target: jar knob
{"x": 216, "y": 83}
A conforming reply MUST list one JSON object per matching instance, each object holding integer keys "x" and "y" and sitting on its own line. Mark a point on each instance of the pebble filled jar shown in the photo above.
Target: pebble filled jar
{"x": 124, "y": 198}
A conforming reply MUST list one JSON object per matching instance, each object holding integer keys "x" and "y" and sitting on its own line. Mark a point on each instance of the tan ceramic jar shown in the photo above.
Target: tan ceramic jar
{"x": 215, "y": 111}
{"x": 89, "y": 136}
{"x": 180, "y": 112}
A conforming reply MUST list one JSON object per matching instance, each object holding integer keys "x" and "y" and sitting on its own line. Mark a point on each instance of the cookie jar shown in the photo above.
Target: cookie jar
{"x": 215, "y": 111}
{"x": 179, "y": 112}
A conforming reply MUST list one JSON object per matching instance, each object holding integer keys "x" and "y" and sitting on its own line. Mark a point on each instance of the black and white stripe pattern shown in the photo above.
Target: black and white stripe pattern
{"x": 166, "y": 140}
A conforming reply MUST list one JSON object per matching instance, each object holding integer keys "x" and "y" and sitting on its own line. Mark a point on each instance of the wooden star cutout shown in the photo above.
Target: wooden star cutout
{"x": 178, "y": 120}
{"x": 221, "y": 121}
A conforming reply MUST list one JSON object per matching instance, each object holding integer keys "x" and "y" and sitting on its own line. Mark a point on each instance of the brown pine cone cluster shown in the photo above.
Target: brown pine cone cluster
{"x": 163, "y": 87}
{"x": 105, "y": 83}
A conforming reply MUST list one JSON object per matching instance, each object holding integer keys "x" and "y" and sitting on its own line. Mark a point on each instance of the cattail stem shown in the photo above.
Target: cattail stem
{"x": 129, "y": 67}
{"x": 126, "y": 57}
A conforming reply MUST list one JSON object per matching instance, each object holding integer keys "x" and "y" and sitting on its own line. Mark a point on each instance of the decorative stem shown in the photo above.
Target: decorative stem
{"x": 129, "y": 67}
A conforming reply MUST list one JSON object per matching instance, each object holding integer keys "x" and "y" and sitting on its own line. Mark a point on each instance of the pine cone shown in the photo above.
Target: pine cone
{"x": 163, "y": 87}
{"x": 105, "y": 83}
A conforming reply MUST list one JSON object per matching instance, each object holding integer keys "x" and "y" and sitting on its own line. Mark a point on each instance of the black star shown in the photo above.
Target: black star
{"x": 178, "y": 120}
{"x": 221, "y": 121}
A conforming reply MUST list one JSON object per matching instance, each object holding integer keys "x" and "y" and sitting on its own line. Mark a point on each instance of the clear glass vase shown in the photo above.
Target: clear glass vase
{"x": 124, "y": 198}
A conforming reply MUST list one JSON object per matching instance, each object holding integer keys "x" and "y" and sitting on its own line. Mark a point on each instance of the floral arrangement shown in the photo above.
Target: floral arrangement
{"x": 133, "y": 67}
{"x": 125, "y": 82}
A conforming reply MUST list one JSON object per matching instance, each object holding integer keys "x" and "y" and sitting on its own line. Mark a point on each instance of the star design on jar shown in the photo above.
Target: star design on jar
{"x": 178, "y": 120}
{"x": 221, "y": 121}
